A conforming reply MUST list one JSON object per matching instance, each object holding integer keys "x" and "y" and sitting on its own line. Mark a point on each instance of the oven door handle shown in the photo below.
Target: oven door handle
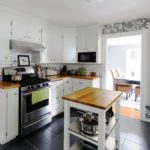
{"x": 29, "y": 93}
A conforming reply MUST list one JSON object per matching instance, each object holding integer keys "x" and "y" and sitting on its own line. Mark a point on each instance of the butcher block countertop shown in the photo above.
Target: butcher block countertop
{"x": 8, "y": 85}
{"x": 94, "y": 97}
{"x": 61, "y": 77}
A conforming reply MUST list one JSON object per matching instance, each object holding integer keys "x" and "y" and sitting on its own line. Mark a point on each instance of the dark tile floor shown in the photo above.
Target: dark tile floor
{"x": 135, "y": 135}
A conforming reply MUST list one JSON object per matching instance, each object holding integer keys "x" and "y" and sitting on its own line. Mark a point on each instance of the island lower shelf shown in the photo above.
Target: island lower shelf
{"x": 111, "y": 144}
{"x": 75, "y": 130}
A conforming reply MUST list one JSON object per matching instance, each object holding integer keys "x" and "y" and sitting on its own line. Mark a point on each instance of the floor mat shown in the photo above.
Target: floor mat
{"x": 130, "y": 102}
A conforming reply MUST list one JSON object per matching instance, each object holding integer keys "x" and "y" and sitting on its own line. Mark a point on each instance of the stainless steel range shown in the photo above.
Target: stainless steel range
{"x": 34, "y": 102}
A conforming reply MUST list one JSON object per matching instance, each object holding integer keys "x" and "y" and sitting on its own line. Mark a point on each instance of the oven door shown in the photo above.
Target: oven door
{"x": 34, "y": 105}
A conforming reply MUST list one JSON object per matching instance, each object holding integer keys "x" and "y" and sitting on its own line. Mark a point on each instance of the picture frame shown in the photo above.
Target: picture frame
{"x": 23, "y": 60}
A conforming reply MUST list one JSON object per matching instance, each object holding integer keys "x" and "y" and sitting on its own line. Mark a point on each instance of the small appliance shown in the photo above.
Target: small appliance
{"x": 87, "y": 57}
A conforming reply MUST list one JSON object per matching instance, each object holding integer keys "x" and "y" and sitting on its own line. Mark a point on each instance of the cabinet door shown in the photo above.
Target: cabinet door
{"x": 81, "y": 40}
{"x": 68, "y": 86}
{"x": 3, "y": 116}
{"x": 12, "y": 113}
{"x": 34, "y": 33}
{"x": 5, "y": 32}
{"x": 55, "y": 45}
{"x": 19, "y": 30}
{"x": 25, "y": 31}
{"x": 92, "y": 40}
{"x": 79, "y": 84}
{"x": 56, "y": 97}
{"x": 69, "y": 46}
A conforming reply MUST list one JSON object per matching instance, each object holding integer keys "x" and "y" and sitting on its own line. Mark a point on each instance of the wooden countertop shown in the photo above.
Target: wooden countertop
{"x": 8, "y": 85}
{"x": 94, "y": 97}
{"x": 61, "y": 77}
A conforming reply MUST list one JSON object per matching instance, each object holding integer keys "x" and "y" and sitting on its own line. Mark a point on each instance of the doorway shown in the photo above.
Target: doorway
{"x": 124, "y": 54}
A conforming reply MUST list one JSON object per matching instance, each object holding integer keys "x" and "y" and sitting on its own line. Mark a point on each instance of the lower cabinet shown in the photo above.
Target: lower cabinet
{"x": 83, "y": 83}
{"x": 9, "y": 104}
{"x": 56, "y": 97}
{"x": 65, "y": 87}
{"x": 68, "y": 86}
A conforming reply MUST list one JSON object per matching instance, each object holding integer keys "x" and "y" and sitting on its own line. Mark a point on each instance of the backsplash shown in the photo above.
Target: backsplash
{"x": 14, "y": 58}
{"x": 89, "y": 67}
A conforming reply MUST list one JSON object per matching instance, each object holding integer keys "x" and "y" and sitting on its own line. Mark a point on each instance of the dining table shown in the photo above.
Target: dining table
{"x": 126, "y": 79}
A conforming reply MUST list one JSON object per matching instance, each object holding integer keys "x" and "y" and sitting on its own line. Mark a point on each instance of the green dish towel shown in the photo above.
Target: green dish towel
{"x": 40, "y": 95}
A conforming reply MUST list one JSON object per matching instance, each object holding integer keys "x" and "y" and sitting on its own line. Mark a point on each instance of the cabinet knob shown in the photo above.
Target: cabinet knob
{"x": 15, "y": 94}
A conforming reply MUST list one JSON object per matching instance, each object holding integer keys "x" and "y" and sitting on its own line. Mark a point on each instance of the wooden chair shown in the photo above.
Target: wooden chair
{"x": 123, "y": 87}
{"x": 137, "y": 92}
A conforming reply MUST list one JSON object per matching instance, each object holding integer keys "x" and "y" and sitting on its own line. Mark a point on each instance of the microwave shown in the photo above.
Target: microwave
{"x": 86, "y": 56}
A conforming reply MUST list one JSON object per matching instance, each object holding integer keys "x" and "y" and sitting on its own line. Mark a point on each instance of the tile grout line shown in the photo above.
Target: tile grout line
{"x": 31, "y": 144}
{"x": 136, "y": 143}
{"x": 123, "y": 141}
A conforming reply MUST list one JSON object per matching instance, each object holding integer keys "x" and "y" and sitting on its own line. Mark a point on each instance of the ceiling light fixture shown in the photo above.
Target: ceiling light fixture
{"x": 94, "y": 1}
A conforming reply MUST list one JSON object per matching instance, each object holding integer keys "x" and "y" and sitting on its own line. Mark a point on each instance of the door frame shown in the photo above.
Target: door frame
{"x": 144, "y": 47}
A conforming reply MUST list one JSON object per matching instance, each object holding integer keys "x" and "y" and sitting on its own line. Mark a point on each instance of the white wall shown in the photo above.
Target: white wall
{"x": 118, "y": 53}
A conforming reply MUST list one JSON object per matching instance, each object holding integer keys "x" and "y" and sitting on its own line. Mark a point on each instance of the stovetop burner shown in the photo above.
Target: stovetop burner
{"x": 32, "y": 81}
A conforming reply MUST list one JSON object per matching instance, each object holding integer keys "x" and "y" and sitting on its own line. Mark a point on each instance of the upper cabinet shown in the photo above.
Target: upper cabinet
{"x": 5, "y": 31}
{"x": 81, "y": 39}
{"x": 55, "y": 45}
{"x": 61, "y": 45}
{"x": 89, "y": 40}
{"x": 25, "y": 31}
{"x": 69, "y": 45}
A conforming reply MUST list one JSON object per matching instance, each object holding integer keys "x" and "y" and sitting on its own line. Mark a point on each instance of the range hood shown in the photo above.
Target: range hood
{"x": 22, "y": 46}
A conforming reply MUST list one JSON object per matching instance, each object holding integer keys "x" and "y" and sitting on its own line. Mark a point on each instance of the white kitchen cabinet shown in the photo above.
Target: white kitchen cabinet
{"x": 65, "y": 87}
{"x": 89, "y": 40}
{"x": 9, "y": 101}
{"x": 55, "y": 45}
{"x": 25, "y": 31}
{"x": 56, "y": 97}
{"x": 61, "y": 45}
{"x": 92, "y": 39}
{"x": 81, "y": 40}
{"x": 68, "y": 86}
{"x": 83, "y": 83}
{"x": 69, "y": 45}
{"x": 5, "y": 31}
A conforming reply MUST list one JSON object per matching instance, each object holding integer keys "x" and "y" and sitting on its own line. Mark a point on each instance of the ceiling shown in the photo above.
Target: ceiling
{"x": 81, "y": 12}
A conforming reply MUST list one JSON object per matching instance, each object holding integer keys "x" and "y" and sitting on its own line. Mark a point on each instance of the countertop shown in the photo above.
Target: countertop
{"x": 61, "y": 77}
{"x": 8, "y": 85}
{"x": 94, "y": 97}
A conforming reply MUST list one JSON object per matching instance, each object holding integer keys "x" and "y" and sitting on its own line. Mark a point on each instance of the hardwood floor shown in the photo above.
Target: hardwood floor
{"x": 129, "y": 112}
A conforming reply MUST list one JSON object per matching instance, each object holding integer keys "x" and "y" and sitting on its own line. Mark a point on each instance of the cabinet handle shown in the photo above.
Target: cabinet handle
{"x": 15, "y": 94}
{"x": 67, "y": 81}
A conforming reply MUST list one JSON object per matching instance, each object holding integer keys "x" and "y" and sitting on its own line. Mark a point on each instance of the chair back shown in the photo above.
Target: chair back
{"x": 114, "y": 73}
{"x": 118, "y": 72}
